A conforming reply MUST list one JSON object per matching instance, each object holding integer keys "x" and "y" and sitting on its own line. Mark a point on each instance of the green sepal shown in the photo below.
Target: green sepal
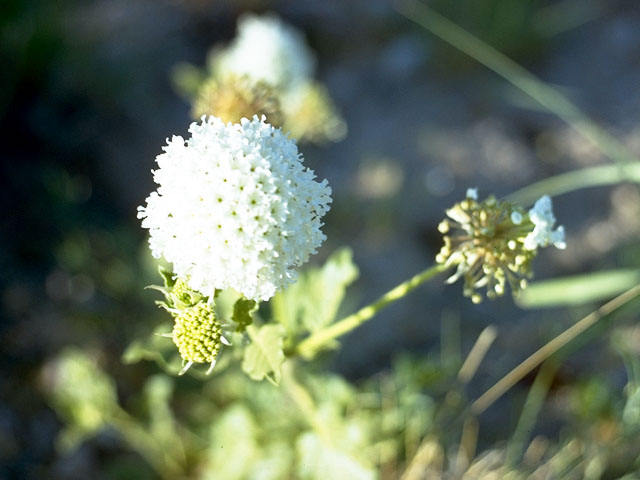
{"x": 177, "y": 294}
{"x": 181, "y": 296}
{"x": 167, "y": 276}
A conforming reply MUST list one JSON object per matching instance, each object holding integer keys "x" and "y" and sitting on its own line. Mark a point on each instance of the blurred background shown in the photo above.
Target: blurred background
{"x": 87, "y": 101}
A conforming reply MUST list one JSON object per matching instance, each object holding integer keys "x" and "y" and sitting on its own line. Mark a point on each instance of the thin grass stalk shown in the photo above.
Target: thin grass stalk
{"x": 519, "y": 372}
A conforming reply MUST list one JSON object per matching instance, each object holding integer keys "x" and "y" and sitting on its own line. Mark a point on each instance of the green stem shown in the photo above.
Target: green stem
{"x": 150, "y": 448}
{"x": 318, "y": 340}
{"x": 303, "y": 400}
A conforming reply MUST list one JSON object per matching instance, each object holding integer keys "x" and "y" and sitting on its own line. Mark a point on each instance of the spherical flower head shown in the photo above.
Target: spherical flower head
{"x": 493, "y": 243}
{"x": 267, "y": 49}
{"x": 235, "y": 208}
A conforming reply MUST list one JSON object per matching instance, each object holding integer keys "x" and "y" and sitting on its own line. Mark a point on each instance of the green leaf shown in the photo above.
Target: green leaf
{"x": 242, "y": 313}
{"x": 225, "y": 301}
{"x": 313, "y": 301}
{"x": 287, "y": 305}
{"x": 275, "y": 464}
{"x": 578, "y": 289}
{"x": 264, "y": 356}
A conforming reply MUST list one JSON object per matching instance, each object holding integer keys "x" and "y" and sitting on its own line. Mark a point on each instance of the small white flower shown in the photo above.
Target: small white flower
{"x": 516, "y": 218}
{"x": 267, "y": 49}
{"x": 235, "y": 208}
{"x": 541, "y": 215}
{"x": 472, "y": 193}
{"x": 557, "y": 238}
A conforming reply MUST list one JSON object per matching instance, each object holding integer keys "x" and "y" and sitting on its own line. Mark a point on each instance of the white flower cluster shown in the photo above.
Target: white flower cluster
{"x": 541, "y": 215}
{"x": 235, "y": 208}
{"x": 267, "y": 49}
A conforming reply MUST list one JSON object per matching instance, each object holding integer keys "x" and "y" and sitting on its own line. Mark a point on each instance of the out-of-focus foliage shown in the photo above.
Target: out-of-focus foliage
{"x": 83, "y": 395}
{"x": 250, "y": 427}
{"x": 505, "y": 24}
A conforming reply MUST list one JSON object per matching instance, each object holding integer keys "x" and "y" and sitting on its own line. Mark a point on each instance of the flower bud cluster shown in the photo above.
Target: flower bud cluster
{"x": 196, "y": 331}
{"x": 493, "y": 243}
{"x": 198, "y": 334}
{"x": 235, "y": 97}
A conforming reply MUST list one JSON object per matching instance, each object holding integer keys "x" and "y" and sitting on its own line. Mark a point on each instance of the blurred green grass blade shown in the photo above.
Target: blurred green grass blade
{"x": 577, "y": 179}
{"x": 578, "y": 289}
{"x": 551, "y": 99}
{"x": 530, "y": 412}
{"x": 564, "y": 15}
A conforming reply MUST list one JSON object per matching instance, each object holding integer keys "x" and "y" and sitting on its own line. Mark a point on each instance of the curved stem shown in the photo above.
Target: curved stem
{"x": 320, "y": 339}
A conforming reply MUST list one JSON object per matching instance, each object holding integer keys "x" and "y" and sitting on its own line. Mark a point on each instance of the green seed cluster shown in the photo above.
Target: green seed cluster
{"x": 197, "y": 334}
{"x": 486, "y": 242}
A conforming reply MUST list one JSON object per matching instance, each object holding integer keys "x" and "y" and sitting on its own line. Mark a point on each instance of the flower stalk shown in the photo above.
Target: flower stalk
{"x": 308, "y": 347}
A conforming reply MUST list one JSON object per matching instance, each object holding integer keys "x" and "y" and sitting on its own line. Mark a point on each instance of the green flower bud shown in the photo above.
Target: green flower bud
{"x": 198, "y": 335}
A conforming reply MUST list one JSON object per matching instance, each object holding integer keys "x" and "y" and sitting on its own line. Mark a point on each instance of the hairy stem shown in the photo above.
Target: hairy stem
{"x": 321, "y": 339}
